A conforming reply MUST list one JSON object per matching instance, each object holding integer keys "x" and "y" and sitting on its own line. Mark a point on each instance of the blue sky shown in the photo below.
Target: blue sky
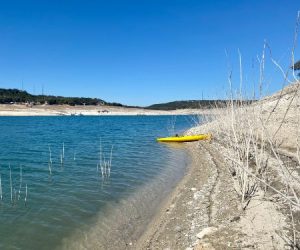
{"x": 141, "y": 52}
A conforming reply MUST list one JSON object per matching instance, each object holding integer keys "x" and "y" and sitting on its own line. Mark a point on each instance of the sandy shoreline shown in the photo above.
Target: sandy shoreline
{"x": 194, "y": 206}
{"x": 171, "y": 227}
{"x": 204, "y": 212}
{"x": 65, "y": 110}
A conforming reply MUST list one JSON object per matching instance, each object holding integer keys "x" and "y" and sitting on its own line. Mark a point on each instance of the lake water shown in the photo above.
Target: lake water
{"x": 75, "y": 206}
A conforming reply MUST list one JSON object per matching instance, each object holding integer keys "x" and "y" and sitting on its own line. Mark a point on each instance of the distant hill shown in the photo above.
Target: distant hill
{"x": 192, "y": 104}
{"x": 8, "y": 96}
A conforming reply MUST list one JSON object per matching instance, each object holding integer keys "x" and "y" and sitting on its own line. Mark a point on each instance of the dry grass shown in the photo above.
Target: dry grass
{"x": 259, "y": 138}
{"x": 255, "y": 138}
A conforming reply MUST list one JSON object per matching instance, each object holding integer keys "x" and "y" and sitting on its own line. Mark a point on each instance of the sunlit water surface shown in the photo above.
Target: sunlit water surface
{"x": 74, "y": 207}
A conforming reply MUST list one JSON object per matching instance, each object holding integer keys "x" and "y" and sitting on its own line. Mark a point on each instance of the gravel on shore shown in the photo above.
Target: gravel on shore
{"x": 204, "y": 211}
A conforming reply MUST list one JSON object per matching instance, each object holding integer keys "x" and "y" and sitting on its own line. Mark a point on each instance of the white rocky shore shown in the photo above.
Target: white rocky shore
{"x": 60, "y": 110}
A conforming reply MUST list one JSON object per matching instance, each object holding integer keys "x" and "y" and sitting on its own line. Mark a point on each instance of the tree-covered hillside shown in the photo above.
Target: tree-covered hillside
{"x": 19, "y": 96}
{"x": 193, "y": 104}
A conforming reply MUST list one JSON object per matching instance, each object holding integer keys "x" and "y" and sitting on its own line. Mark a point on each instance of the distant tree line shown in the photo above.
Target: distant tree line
{"x": 8, "y": 96}
{"x": 193, "y": 104}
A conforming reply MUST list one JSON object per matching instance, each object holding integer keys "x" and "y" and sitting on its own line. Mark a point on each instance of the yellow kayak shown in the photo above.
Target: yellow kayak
{"x": 185, "y": 138}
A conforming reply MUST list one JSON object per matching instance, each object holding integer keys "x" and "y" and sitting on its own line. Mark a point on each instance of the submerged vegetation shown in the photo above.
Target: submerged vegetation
{"x": 104, "y": 164}
{"x": 15, "y": 194}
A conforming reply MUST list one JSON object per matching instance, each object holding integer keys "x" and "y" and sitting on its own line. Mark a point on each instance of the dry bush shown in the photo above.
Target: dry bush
{"x": 254, "y": 136}
{"x": 252, "y": 132}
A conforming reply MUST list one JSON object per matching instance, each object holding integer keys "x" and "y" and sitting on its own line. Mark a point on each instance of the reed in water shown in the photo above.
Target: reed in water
{"x": 105, "y": 165}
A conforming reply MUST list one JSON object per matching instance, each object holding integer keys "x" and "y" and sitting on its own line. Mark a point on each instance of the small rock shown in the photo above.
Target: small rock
{"x": 195, "y": 243}
{"x": 197, "y": 195}
{"x": 204, "y": 246}
{"x": 193, "y": 189}
{"x": 236, "y": 218}
{"x": 206, "y": 231}
{"x": 189, "y": 248}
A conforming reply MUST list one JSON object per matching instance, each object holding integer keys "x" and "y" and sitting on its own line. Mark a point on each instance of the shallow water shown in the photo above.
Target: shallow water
{"x": 74, "y": 207}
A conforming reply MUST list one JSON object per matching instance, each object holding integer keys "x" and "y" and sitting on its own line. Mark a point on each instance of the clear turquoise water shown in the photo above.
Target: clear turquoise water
{"x": 75, "y": 207}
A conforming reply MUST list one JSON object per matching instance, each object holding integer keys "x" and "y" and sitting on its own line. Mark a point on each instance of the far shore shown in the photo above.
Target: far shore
{"x": 65, "y": 110}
